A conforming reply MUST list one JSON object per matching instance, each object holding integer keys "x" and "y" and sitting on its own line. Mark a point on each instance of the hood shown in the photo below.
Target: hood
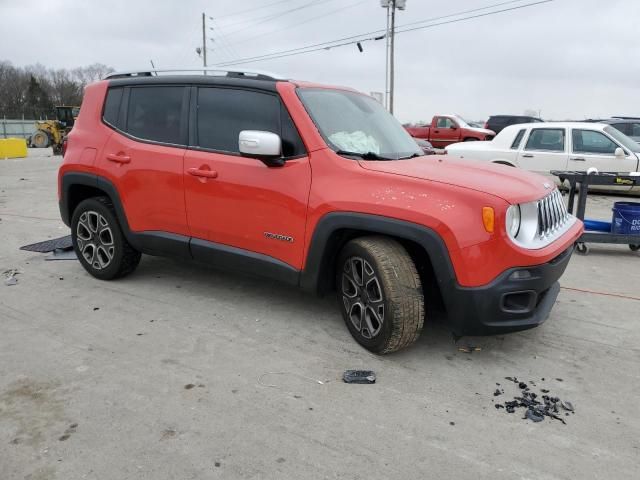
{"x": 484, "y": 131}
{"x": 511, "y": 184}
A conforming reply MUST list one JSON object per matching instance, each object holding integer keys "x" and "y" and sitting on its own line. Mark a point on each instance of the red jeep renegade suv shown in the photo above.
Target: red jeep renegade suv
{"x": 313, "y": 186}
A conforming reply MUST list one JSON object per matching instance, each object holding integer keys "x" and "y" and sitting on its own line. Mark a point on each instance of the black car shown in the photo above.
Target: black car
{"x": 498, "y": 122}
{"x": 630, "y": 126}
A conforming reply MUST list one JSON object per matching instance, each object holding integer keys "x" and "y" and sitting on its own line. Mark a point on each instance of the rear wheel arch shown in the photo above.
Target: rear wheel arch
{"x": 77, "y": 186}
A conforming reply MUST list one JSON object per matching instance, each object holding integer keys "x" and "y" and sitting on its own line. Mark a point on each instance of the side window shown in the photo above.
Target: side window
{"x": 156, "y": 113}
{"x": 589, "y": 141}
{"x": 444, "y": 122}
{"x": 112, "y": 106}
{"x": 223, "y": 113}
{"x": 549, "y": 139}
{"x": 635, "y": 130}
{"x": 516, "y": 141}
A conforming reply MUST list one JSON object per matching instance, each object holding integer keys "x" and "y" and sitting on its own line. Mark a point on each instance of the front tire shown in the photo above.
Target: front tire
{"x": 40, "y": 139}
{"x": 98, "y": 240}
{"x": 380, "y": 294}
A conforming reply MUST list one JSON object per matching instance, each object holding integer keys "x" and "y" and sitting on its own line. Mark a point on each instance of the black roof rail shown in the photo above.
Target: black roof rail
{"x": 247, "y": 74}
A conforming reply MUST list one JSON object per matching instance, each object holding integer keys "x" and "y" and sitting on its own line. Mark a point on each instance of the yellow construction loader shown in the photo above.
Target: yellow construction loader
{"x": 51, "y": 132}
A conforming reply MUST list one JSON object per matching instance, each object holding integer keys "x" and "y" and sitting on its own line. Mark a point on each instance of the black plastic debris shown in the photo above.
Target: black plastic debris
{"x": 62, "y": 243}
{"x": 537, "y": 406}
{"x": 497, "y": 392}
{"x": 534, "y": 415}
{"x": 359, "y": 376}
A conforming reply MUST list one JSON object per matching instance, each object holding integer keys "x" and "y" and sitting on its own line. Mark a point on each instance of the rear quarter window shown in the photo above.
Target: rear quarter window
{"x": 112, "y": 106}
{"x": 516, "y": 141}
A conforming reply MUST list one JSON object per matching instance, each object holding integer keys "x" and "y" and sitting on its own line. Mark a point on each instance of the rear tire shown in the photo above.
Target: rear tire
{"x": 99, "y": 242}
{"x": 380, "y": 294}
{"x": 40, "y": 139}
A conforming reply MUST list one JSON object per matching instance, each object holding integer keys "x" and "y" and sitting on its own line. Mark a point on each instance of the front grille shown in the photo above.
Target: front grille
{"x": 552, "y": 214}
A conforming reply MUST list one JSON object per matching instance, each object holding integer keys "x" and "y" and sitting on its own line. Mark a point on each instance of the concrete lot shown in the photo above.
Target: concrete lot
{"x": 93, "y": 374}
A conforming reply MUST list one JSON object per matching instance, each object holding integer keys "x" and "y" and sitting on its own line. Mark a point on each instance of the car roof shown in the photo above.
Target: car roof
{"x": 588, "y": 125}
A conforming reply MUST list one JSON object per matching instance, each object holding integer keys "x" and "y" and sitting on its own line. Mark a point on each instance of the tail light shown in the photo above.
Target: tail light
{"x": 65, "y": 142}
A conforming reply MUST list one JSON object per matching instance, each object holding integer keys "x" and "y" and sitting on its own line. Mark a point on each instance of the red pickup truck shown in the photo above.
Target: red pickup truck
{"x": 447, "y": 129}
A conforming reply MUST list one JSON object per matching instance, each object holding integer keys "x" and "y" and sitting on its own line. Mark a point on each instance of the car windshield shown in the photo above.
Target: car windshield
{"x": 623, "y": 139}
{"x": 352, "y": 123}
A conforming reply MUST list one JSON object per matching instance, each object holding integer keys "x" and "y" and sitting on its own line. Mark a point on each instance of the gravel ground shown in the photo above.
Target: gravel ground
{"x": 164, "y": 374}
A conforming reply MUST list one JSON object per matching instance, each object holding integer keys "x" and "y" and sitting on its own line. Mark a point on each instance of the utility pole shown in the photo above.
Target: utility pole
{"x": 386, "y": 67}
{"x": 391, "y": 55}
{"x": 204, "y": 44}
{"x": 391, "y": 6}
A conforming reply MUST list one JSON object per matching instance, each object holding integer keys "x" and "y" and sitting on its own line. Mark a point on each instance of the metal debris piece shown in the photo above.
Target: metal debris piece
{"x": 469, "y": 349}
{"x": 10, "y": 276}
{"x": 359, "y": 376}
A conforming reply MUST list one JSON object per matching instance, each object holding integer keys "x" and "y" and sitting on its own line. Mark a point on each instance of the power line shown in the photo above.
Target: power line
{"x": 258, "y": 21}
{"x": 297, "y": 24}
{"x": 252, "y": 9}
{"x": 356, "y": 38}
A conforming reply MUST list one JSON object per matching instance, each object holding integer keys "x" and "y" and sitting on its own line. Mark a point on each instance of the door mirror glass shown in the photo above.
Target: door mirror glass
{"x": 260, "y": 144}
{"x": 619, "y": 153}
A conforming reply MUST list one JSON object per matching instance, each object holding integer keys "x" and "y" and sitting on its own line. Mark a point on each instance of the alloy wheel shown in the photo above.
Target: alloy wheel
{"x": 95, "y": 239}
{"x": 362, "y": 296}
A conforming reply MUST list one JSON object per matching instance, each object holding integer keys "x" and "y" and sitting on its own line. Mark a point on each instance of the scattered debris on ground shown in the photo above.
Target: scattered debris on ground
{"x": 469, "y": 349}
{"x": 10, "y": 276}
{"x": 537, "y": 406}
{"x": 359, "y": 376}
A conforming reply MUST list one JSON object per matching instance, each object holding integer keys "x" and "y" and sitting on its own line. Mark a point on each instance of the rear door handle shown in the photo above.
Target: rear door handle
{"x": 116, "y": 157}
{"x": 527, "y": 155}
{"x": 203, "y": 173}
{"x": 578, "y": 159}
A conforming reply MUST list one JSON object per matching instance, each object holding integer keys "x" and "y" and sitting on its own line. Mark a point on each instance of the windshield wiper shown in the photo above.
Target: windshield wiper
{"x": 413, "y": 155}
{"x": 364, "y": 156}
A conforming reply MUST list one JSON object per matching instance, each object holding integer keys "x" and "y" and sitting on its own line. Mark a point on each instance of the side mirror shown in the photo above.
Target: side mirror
{"x": 265, "y": 146}
{"x": 619, "y": 153}
{"x": 453, "y": 127}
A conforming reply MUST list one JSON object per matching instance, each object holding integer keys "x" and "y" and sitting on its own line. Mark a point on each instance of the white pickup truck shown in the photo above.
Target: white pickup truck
{"x": 542, "y": 147}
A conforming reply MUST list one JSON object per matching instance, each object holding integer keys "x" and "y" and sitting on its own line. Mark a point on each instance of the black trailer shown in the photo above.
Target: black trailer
{"x": 580, "y": 182}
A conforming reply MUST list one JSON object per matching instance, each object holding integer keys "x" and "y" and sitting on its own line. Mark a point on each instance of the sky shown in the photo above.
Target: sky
{"x": 563, "y": 58}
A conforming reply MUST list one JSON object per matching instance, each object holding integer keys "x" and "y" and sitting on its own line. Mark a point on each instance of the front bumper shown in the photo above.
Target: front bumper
{"x": 518, "y": 299}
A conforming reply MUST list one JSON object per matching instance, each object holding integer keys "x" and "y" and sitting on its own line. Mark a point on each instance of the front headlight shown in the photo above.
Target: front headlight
{"x": 513, "y": 221}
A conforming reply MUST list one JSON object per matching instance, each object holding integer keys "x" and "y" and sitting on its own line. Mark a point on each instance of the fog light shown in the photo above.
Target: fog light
{"x": 520, "y": 275}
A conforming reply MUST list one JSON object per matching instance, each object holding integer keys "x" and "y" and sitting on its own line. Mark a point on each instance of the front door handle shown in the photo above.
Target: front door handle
{"x": 527, "y": 155}
{"x": 578, "y": 159}
{"x": 196, "y": 172}
{"x": 118, "y": 158}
